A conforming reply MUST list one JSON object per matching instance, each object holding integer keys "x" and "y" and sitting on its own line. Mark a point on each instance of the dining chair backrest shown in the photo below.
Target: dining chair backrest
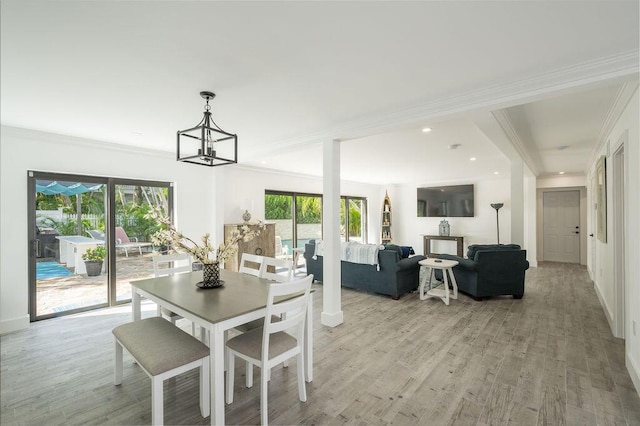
{"x": 169, "y": 264}
{"x": 281, "y": 269}
{"x": 291, "y": 312}
{"x": 251, "y": 264}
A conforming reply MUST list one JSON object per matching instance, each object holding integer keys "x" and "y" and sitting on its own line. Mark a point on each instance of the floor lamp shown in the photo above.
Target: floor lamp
{"x": 497, "y": 206}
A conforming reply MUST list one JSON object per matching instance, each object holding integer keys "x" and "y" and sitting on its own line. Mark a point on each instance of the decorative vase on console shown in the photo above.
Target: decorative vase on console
{"x": 444, "y": 228}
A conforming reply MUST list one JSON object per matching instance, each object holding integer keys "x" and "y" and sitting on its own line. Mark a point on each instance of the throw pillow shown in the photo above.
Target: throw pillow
{"x": 406, "y": 251}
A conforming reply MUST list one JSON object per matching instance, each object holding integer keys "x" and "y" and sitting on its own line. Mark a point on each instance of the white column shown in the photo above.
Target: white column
{"x": 331, "y": 298}
{"x": 517, "y": 202}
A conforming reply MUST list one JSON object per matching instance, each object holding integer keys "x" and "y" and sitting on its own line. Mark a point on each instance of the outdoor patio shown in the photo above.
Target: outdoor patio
{"x": 60, "y": 294}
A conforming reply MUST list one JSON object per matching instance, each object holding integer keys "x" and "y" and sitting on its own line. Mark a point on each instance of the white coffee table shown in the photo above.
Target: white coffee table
{"x": 446, "y": 266}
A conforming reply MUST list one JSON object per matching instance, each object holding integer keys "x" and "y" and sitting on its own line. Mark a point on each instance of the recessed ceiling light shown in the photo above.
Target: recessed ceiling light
{"x": 426, "y": 130}
{"x": 560, "y": 173}
{"x": 472, "y": 159}
{"x": 263, "y": 162}
{"x": 496, "y": 173}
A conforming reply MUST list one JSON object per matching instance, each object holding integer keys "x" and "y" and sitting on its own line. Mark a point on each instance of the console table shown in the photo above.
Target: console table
{"x": 429, "y": 238}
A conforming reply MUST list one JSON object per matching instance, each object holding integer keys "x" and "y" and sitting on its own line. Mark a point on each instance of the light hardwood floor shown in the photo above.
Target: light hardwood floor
{"x": 548, "y": 359}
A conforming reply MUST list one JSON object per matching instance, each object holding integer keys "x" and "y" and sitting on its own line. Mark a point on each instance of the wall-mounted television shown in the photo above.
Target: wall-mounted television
{"x": 446, "y": 201}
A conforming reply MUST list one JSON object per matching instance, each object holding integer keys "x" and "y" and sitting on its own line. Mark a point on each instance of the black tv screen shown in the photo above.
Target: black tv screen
{"x": 446, "y": 201}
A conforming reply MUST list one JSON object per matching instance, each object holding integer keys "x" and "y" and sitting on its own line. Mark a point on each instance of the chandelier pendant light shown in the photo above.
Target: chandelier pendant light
{"x": 206, "y": 143}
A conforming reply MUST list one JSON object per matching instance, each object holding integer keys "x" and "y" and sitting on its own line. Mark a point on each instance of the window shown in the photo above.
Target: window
{"x": 298, "y": 217}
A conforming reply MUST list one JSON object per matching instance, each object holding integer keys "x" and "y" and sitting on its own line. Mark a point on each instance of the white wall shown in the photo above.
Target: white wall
{"x": 604, "y": 265}
{"x": 22, "y": 150}
{"x": 247, "y": 183}
{"x": 480, "y": 229}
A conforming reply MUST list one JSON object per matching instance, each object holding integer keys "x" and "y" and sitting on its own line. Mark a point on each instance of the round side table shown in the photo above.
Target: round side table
{"x": 446, "y": 266}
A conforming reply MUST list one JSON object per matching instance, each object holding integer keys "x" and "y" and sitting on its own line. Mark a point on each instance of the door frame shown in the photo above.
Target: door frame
{"x": 110, "y": 220}
{"x": 618, "y": 205}
{"x": 583, "y": 219}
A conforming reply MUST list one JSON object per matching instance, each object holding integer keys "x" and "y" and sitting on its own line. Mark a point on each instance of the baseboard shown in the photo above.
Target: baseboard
{"x": 533, "y": 263}
{"x": 605, "y": 308}
{"x": 14, "y": 324}
{"x": 332, "y": 319}
{"x": 634, "y": 372}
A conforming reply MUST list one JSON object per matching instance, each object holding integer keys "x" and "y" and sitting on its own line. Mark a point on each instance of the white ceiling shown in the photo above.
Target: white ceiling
{"x": 290, "y": 74}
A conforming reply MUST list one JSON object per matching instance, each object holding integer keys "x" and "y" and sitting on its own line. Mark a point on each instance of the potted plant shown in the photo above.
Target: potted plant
{"x": 93, "y": 259}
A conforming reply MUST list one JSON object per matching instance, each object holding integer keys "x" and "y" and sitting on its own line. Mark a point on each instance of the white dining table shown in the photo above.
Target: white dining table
{"x": 242, "y": 299}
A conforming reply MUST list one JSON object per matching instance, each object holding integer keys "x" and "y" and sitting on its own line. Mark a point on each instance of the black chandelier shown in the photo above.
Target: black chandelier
{"x": 207, "y": 144}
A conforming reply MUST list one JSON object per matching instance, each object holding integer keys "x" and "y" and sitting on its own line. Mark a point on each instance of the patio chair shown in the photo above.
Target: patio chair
{"x": 282, "y": 252}
{"x": 123, "y": 242}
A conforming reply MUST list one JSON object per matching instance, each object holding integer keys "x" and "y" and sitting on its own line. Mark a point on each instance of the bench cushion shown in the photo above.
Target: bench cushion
{"x": 158, "y": 345}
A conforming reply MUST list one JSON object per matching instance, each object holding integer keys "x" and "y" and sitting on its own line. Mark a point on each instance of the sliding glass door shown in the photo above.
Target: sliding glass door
{"x": 133, "y": 231}
{"x": 308, "y": 219}
{"x": 89, "y": 237}
{"x": 353, "y": 215}
{"x": 63, "y": 208}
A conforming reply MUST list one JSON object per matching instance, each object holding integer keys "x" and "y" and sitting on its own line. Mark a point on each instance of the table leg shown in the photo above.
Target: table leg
{"x": 216, "y": 355}
{"x": 308, "y": 341}
{"x": 423, "y": 283}
{"x": 454, "y": 284}
{"x": 135, "y": 304}
{"x": 446, "y": 287}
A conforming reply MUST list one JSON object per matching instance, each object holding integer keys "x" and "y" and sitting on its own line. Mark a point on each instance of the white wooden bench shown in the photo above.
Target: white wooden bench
{"x": 163, "y": 351}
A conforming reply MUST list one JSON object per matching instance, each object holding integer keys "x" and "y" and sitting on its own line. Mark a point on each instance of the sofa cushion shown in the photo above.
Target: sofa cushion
{"x": 474, "y": 248}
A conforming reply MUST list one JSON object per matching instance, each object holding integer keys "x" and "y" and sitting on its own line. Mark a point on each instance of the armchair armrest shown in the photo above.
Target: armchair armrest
{"x": 409, "y": 262}
{"x": 467, "y": 264}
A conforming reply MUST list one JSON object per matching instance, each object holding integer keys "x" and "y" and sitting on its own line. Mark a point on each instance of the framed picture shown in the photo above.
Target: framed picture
{"x": 601, "y": 198}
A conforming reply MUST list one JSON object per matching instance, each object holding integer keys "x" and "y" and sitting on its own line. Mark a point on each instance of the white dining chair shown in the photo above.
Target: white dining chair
{"x": 270, "y": 345}
{"x": 248, "y": 262}
{"x": 170, "y": 264}
{"x": 281, "y": 269}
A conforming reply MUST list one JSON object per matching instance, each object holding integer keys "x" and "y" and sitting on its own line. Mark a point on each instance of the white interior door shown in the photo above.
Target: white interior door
{"x": 561, "y": 223}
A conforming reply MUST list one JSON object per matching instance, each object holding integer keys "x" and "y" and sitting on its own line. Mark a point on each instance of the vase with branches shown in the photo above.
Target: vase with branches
{"x": 204, "y": 251}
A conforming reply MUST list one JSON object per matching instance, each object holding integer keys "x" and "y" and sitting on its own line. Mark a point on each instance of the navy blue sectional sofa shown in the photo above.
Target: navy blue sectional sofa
{"x": 397, "y": 275}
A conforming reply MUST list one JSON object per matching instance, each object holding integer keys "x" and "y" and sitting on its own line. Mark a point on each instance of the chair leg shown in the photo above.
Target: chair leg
{"x": 249, "y": 379}
{"x": 117, "y": 379}
{"x": 159, "y": 311}
{"x": 231, "y": 360}
{"x": 126, "y": 252}
{"x": 193, "y": 329}
{"x": 157, "y": 401}
{"x": 302, "y": 390}
{"x": 205, "y": 400}
{"x": 264, "y": 388}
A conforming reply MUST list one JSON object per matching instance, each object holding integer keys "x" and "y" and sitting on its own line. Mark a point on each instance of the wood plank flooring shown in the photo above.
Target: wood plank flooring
{"x": 548, "y": 359}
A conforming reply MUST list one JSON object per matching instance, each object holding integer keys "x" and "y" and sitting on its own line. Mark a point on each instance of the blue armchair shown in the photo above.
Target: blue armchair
{"x": 491, "y": 270}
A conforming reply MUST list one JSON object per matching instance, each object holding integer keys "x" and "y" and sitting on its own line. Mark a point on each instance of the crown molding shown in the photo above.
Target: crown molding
{"x": 29, "y": 134}
{"x": 531, "y": 159}
{"x": 624, "y": 95}
{"x": 495, "y": 96}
